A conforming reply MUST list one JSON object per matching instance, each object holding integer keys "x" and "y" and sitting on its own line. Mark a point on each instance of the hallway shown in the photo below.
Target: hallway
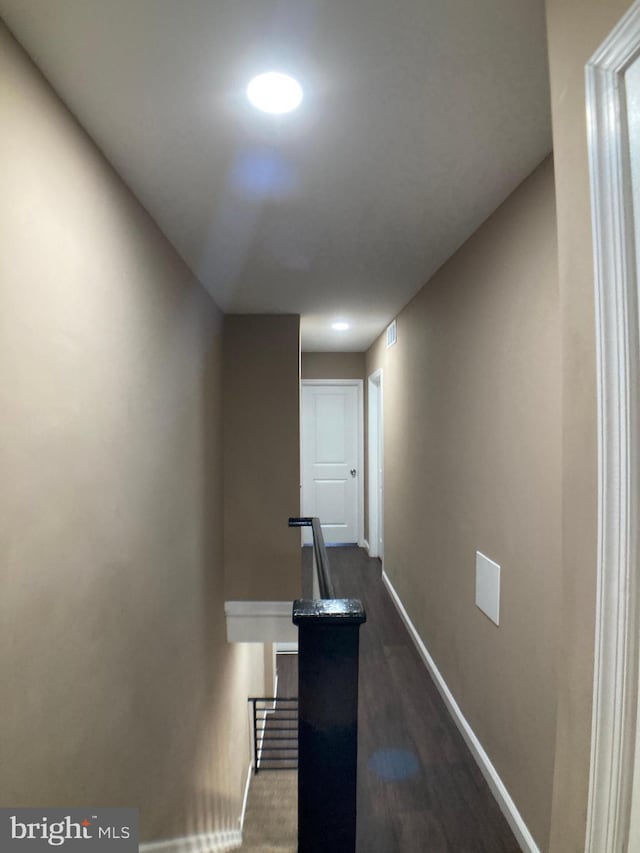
{"x": 419, "y": 788}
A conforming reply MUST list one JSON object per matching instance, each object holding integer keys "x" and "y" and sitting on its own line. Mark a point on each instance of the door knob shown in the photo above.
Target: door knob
{"x": 353, "y": 472}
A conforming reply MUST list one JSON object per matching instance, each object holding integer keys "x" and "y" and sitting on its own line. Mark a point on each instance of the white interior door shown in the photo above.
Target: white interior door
{"x": 331, "y": 422}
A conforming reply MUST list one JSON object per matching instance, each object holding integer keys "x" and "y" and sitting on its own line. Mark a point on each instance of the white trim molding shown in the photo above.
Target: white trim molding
{"x": 495, "y": 783}
{"x": 618, "y": 374}
{"x": 286, "y": 649}
{"x": 375, "y": 462}
{"x": 260, "y": 622}
{"x": 245, "y": 799}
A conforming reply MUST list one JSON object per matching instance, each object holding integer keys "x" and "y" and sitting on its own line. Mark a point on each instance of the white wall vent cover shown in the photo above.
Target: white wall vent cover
{"x": 392, "y": 334}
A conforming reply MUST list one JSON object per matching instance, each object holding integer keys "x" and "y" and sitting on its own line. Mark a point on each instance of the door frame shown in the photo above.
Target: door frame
{"x": 615, "y": 690}
{"x": 360, "y": 438}
{"x": 375, "y": 462}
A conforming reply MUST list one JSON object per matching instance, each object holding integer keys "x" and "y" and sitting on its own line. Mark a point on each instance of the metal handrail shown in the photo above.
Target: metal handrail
{"x": 320, "y": 558}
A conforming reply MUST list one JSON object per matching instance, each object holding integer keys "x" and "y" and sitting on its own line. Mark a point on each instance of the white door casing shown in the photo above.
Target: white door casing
{"x": 614, "y": 801}
{"x": 331, "y": 458}
{"x": 375, "y": 464}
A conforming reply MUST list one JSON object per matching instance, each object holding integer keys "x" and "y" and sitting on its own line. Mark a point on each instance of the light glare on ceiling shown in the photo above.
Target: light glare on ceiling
{"x": 340, "y": 326}
{"x": 274, "y": 92}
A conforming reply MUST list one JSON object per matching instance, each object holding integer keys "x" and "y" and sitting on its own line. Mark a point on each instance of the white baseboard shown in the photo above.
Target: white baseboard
{"x": 364, "y": 544}
{"x": 245, "y": 798}
{"x": 209, "y": 842}
{"x": 498, "y": 789}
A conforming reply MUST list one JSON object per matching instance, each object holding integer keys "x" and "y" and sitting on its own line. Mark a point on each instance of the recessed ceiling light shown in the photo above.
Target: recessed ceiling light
{"x": 274, "y": 92}
{"x": 340, "y": 326}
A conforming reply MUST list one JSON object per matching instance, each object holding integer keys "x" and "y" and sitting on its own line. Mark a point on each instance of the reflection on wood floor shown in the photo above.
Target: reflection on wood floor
{"x": 419, "y": 788}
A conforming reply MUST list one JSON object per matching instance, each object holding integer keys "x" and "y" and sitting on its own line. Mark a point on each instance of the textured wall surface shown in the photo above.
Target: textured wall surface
{"x": 118, "y": 686}
{"x": 333, "y": 365}
{"x": 575, "y": 29}
{"x": 261, "y": 456}
{"x": 472, "y": 462}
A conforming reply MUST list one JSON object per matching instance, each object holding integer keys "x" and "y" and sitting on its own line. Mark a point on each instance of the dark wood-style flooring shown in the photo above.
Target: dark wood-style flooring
{"x": 419, "y": 789}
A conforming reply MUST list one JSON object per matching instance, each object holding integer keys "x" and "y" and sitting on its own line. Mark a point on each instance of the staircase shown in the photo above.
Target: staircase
{"x": 271, "y": 819}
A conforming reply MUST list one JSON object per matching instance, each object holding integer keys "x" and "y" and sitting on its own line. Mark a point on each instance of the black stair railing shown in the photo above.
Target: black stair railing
{"x": 328, "y": 645}
{"x": 275, "y": 732}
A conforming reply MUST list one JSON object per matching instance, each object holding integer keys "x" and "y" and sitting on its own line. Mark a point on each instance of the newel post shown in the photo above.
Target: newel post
{"x": 328, "y": 640}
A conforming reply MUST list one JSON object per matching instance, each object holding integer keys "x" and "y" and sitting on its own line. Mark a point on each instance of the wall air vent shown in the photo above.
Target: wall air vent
{"x": 392, "y": 334}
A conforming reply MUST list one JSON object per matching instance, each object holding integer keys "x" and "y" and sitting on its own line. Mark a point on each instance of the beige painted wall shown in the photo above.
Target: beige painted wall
{"x": 575, "y": 29}
{"x": 333, "y": 365}
{"x": 118, "y": 686}
{"x": 261, "y": 456}
{"x": 472, "y": 462}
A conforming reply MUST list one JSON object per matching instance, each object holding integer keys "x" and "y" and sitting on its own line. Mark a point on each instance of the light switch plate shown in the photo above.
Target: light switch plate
{"x": 488, "y": 587}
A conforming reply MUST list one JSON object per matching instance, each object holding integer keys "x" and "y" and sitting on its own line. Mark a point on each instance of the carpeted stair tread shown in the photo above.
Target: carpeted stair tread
{"x": 271, "y": 819}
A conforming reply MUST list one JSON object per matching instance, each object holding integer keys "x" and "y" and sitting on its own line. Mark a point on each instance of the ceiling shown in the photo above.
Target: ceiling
{"x": 419, "y": 118}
